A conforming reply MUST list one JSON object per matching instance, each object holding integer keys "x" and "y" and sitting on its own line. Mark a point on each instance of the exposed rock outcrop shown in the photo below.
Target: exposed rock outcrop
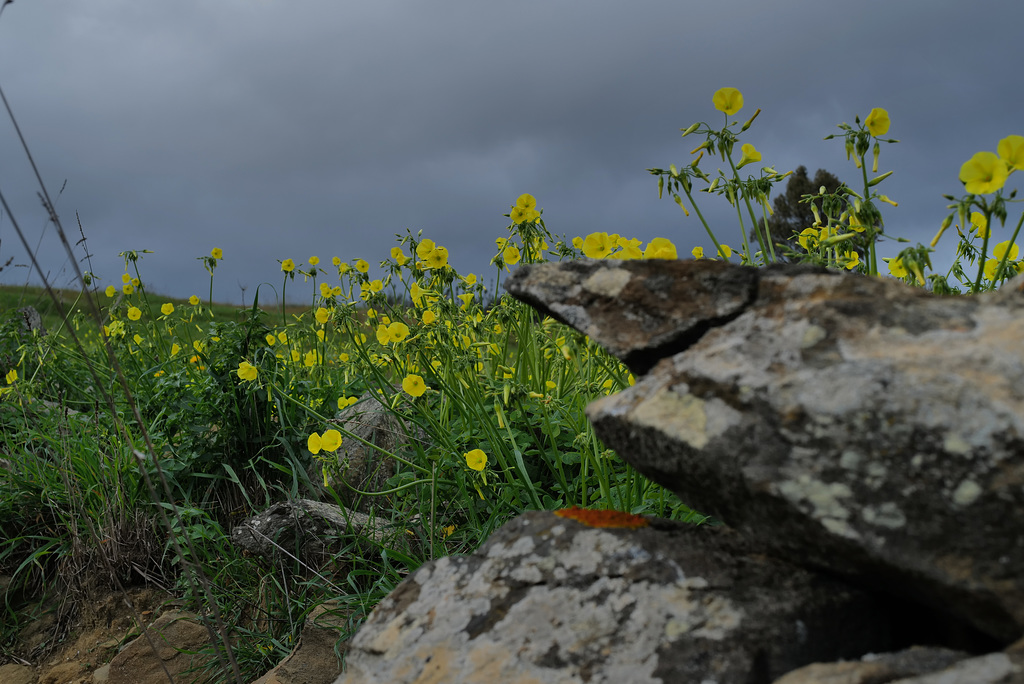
{"x": 851, "y": 423}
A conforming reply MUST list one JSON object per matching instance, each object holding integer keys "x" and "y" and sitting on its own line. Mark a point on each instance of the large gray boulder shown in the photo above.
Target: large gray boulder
{"x": 851, "y": 424}
{"x": 549, "y": 599}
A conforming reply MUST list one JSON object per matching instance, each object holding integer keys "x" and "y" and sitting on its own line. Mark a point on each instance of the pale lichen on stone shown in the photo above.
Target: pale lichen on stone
{"x": 607, "y": 282}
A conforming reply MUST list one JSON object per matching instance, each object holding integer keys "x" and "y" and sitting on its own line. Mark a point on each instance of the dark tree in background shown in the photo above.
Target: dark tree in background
{"x": 791, "y": 215}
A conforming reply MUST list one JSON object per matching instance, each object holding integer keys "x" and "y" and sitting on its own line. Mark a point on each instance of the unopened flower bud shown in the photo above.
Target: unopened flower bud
{"x": 691, "y": 129}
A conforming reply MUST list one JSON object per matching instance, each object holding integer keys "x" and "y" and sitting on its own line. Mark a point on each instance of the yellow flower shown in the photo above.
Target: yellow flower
{"x": 287, "y": 265}
{"x": 728, "y": 100}
{"x": 362, "y": 266}
{"x": 322, "y": 315}
{"x": 247, "y": 371}
{"x": 134, "y": 313}
{"x": 325, "y": 290}
{"x": 438, "y": 258}
{"x": 217, "y": 253}
{"x": 282, "y": 337}
{"x": 425, "y": 247}
{"x": 1000, "y": 250}
{"x": 750, "y": 155}
{"x": 630, "y": 248}
{"x": 343, "y": 357}
{"x": 167, "y": 309}
{"x": 414, "y": 385}
{"x": 416, "y": 292}
{"x": 12, "y": 376}
{"x": 382, "y": 334}
{"x": 330, "y": 440}
{"x": 336, "y": 261}
{"x": 125, "y": 278}
{"x": 598, "y": 245}
{"x": 476, "y": 459}
{"x": 429, "y": 317}
{"x": 850, "y": 260}
{"x": 466, "y": 299}
{"x": 511, "y": 255}
{"x": 376, "y": 285}
{"x": 271, "y": 340}
{"x": 518, "y": 215}
{"x": 296, "y": 356}
{"x": 111, "y": 290}
{"x": 193, "y": 300}
{"x": 983, "y": 173}
{"x": 314, "y": 443}
{"x": 128, "y": 288}
{"x": 577, "y": 242}
{"x": 1011, "y": 151}
{"x": 397, "y": 331}
{"x": 344, "y": 268}
{"x": 660, "y": 248}
{"x": 314, "y": 260}
{"x": 980, "y": 224}
{"x": 399, "y": 256}
{"x": 526, "y": 201}
{"x": 447, "y": 531}
{"x": 725, "y": 250}
{"x": 877, "y": 122}
{"x": 697, "y": 252}
{"x": 175, "y": 348}
{"x": 311, "y": 359}
{"x": 470, "y": 279}
{"x": 897, "y": 268}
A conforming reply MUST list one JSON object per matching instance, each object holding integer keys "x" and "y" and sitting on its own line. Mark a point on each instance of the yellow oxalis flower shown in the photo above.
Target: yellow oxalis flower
{"x": 808, "y": 238}
{"x": 660, "y": 248}
{"x": 1011, "y": 151}
{"x": 111, "y": 290}
{"x": 287, "y": 265}
{"x": 750, "y": 155}
{"x": 470, "y": 279}
{"x": 311, "y": 359}
{"x": 980, "y": 224}
{"x": 725, "y": 251}
{"x": 413, "y": 385}
{"x": 175, "y": 348}
{"x": 128, "y": 288}
{"x": 134, "y": 313}
{"x": 397, "y": 331}
{"x": 466, "y": 299}
{"x": 630, "y": 248}
{"x": 429, "y": 317}
{"x": 526, "y": 201}
{"x": 425, "y": 247}
{"x": 511, "y": 255}
{"x": 362, "y": 265}
{"x": 476, "y": 459}
{"x": 330, "y": 440}
{"x": 850, "y": 260}
{"x": 322, "y": 315}
{"x": 336, "y": 261}
{"x": 728, "y": 100}
{"x": 518, "y": 214}
{"x": 897, "y": 268}
{"x": 296, "y": 356}
{"x": 877, "y": 122}
{"x": 1000, "y": 250}
{"x": 577, "y": 242}
{"x": 217, "y": 253}
{"x": 598, "y": 245}
{"x": 247, "y": 371}
{"x": 438, "y": 258}
{"x": 12, "y": 376}
{"x": 399, "y": 256}
{"x": 193, "y": 300}
{"x": 376, "y": 285}
{"x": 314, "y": 443}
{"x": 697, "y": 252}
{"x": 325, "y": 290}
{"x": 167, "y": 309}
{"x": 983, "y": 173}
{"x": 344, "y": 268}
{"x": 282, "y": 337}
{"x": 125, "y": 278}
{"x": 314, "y": 260}
{"x": 271, "y": 340}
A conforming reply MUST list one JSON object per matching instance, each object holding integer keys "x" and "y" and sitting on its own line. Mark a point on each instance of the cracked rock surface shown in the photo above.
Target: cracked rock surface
{"x": 547, "y": 599}
{"x": 851, "y": 424}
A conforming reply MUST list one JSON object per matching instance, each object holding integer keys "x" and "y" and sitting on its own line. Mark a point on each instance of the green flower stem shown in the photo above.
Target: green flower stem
{"x": 984, "y": 246}
{"x": 696, "y": 210}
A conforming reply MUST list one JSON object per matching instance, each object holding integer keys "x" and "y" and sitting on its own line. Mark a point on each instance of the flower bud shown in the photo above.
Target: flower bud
{"x": 691, "y": 129}
{"x": 750, "y": 121}
{"x": 878, "y": 179}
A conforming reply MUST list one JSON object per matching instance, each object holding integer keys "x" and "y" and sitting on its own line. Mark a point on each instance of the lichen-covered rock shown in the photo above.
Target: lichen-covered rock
{"x": 852, "y": 423}
{"x": 547, "y": 599}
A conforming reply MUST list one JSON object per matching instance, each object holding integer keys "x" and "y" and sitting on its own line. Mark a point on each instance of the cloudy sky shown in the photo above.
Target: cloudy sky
{"x": 278, "y": 129}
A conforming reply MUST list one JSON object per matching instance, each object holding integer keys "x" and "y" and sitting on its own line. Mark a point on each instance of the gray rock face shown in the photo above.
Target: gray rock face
{"x": 852, "y": 424}
{"x": 547, "y": 599}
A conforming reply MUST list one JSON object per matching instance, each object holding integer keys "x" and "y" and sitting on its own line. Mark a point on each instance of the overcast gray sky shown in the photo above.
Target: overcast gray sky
{"x": 280, "y": 129}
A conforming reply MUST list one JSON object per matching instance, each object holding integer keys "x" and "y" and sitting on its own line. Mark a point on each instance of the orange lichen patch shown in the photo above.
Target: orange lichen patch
{"x": 602, "y": 518}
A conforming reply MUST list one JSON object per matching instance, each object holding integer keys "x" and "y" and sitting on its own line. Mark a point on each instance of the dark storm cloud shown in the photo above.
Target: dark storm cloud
{"x": 279, "y": 130}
